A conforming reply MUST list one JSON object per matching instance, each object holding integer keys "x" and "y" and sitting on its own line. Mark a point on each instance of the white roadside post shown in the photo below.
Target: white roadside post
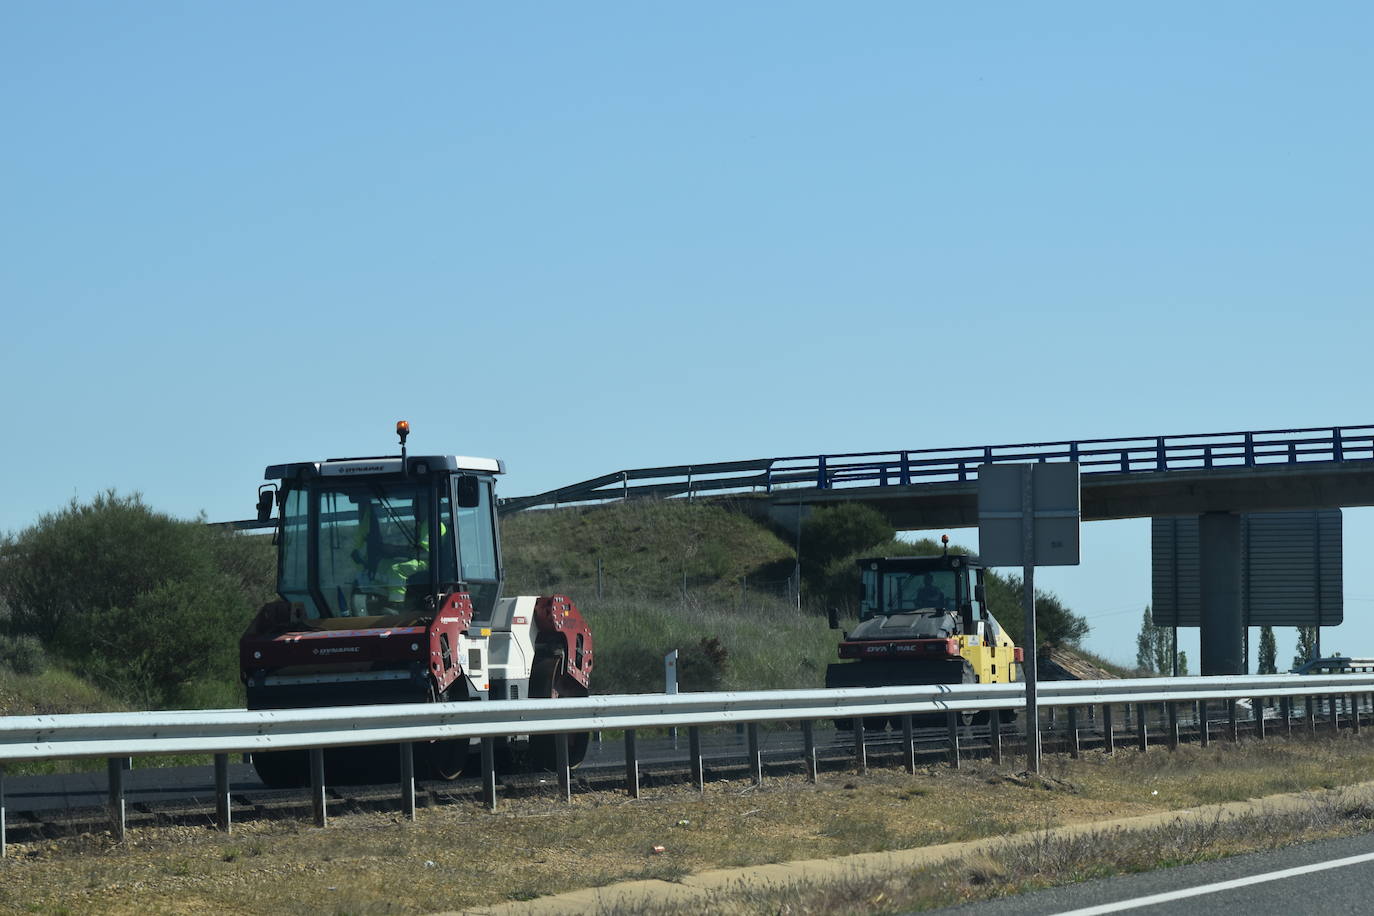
{"x": 1028, "y": 514}
{"x": 670, "y": 684}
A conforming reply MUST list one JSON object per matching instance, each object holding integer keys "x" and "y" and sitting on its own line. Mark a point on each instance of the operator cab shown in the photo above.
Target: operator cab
{"x": 391, "y": 536}
{"x": 943, "y": 595}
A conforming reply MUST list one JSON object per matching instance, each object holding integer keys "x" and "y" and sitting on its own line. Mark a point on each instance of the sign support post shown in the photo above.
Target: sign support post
{"x": 1028, "y": 516}
{"x": 1031, "y": 658}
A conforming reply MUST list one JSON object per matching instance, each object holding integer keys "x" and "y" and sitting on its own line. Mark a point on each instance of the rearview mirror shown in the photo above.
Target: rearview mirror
{"x": 265, "y": 495}
{"x": 467, "y": 493}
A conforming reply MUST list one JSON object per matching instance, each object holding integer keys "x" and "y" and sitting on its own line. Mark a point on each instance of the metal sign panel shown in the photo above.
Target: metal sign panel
{"x": 1055, "y": 514}
{"x": 1291, "y": 570}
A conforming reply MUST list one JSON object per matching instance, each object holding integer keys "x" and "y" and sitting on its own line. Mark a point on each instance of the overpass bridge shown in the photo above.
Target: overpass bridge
{"x": 1139, "y": 477}
{"x": 1214, "y": 476}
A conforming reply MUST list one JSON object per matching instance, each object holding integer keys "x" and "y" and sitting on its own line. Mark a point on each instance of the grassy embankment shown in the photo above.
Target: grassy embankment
{"x": 53, "y": 692}
{"x": 673, "y": 574}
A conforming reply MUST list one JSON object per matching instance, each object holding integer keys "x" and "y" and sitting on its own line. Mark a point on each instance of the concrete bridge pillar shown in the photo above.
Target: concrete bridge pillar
{"x": 1223, "y": 628}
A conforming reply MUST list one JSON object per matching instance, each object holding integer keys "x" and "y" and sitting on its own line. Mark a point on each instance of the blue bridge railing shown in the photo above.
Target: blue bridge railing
{"x": 908, "y": 467}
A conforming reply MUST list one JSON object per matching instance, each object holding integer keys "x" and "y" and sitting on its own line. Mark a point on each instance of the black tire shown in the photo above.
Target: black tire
{"x": 547, "y": 681}
{"x": 443, "y": 760}
{"x": 282, "y": 769}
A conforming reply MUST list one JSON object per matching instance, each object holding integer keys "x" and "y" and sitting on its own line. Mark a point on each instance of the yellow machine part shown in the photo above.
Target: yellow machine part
{"x": 993, "y": 662}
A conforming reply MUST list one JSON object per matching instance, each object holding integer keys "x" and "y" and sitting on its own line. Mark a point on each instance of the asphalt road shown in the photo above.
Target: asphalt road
{"x": 1327, "y": 876}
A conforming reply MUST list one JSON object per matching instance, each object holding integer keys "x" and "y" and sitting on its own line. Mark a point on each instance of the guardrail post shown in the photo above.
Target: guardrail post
{"x": 317, "y": 786}
{"x": 694, "y": 752}
{"x": 631, "y": 764}
{"x": 994, "y": 737}
{"x": 1074, "y": 750}
{"x": 1207, "y": 457}
{"x": 222, "y": 814}
{"x": 952, "y": 718}
{"x": 1332, "y": 705}
{"x": 489, "y": 773}
{"x": 560, "y": 754}
{"x": 1161, "y": 462}
{"x": 820, "y": 472}
{"x": 1232, "y": 723}
{"x": 1355, "y": 713}
{"x": 1249, "y": 450}
{"x": 906, "y": 469}
{"x": 115, "y": 766}
{"x": 755, "y": 756}
{"x": 809, "y": 749}
{"x": 2, "y": 813}
{"x": 1257, "y": 707}
{"x": 1142, "y": 741}
{"x": 1286, "y": 710}
{"x": 1108, "y": 733}
{"x": 860, "y": 748}
{"x": 1204, "y": 724}
{"x": 1173, "y": 725}
{"x": 908, "y": 744}
{"x": 1125, "y": 461}
{"x": 406, "y": 757}
{"x": 1337, "y": 449}
{"x": 1311, "y": 708}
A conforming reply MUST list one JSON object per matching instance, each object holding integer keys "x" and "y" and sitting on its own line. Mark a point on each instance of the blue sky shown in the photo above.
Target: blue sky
{"x": 590, "y": 236}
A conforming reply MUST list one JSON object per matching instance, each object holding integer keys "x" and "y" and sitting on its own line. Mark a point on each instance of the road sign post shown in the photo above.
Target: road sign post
{"x": 1029, "y": 514}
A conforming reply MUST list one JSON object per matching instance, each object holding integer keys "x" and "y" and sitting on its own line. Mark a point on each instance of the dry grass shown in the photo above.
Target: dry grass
{"x": 1037, "y": 860}
{"x": 459, "y": 855}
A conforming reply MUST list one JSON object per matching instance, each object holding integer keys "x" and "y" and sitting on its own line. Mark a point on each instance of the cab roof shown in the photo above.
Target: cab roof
{"x": 922, "y": 564}
{"x": 391, "y": 464}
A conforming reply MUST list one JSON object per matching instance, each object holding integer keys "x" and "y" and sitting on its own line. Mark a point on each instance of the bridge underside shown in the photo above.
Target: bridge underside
{"x": 1108, "y": 496}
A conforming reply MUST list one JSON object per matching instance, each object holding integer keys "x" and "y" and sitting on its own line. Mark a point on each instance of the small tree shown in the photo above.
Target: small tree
{"x": 1183, "y": 664}
{"x": 1153, "y": 647}
{"x": 1307, "y": 645}
{"x": 1268, "y": 652}
{"x": 1145, "y": 643}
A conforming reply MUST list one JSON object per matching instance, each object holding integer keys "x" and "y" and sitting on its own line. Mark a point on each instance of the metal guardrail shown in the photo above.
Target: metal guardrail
{"x": 117, "y": 736}
{"x": 238, "y": 731}
{"x": 904, "y": 467}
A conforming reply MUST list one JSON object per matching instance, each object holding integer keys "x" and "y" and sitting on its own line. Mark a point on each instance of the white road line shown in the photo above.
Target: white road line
{"x": 1214, "y": 888}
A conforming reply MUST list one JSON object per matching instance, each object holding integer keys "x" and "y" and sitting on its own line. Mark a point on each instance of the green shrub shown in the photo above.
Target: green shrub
{"x": 135, "y": 600}
{"x": 1055, "y": 624}
{"x": 23, "y": 654}
{"x": 837, "y": 532}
